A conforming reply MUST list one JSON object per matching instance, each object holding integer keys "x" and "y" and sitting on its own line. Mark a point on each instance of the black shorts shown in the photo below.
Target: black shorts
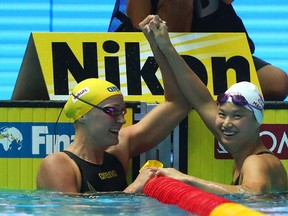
{"x": 259, "y": 63}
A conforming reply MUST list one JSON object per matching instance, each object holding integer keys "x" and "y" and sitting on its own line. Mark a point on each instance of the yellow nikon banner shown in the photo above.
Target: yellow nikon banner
{"x": 55, "y": 62}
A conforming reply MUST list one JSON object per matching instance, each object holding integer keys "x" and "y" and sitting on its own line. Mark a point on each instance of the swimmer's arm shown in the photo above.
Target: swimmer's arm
{"x": 56, "y": 174}
{"x": 208, "y": 186}
{"x": 162, "y": 119}
{"x": 138, "y": 185}
{"x": 216, "y": 188}
{"x": 190, "y": 84}
{"x": 256, "y": 175}
{"x": 255, "y": 172}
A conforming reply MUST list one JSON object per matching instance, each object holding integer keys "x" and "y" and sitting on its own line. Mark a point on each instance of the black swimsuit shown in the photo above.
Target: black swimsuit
{"x": 237, "y": 180}
{"x": 109, "y": 176}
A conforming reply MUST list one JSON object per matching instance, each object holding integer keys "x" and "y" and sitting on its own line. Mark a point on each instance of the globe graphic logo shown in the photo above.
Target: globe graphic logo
{"x": 10, "y": 139}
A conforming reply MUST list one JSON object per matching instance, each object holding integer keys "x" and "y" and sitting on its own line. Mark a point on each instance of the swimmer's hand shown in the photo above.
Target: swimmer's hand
{"x": 155, "y": 30}
{"x": 138, "y": 185}
{"x": 172, "y": 173}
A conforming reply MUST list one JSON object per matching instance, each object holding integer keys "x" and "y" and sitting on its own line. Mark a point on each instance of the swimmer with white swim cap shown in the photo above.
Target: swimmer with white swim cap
{"x": 234, "y": 121}
{"x": 245, "y": 94}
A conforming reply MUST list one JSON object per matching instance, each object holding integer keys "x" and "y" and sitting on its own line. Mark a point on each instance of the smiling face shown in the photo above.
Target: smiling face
{"x": 237, "y": 127}
{"x": 101, "y": 127}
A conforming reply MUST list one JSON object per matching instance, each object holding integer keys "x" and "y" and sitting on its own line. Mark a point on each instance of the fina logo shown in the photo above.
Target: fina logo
{"x": 34, "y": 140}
{"x": 10, "y": 140}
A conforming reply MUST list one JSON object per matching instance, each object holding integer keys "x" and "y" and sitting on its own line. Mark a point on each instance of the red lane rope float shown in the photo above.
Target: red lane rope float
{"x": 173, "y": 192}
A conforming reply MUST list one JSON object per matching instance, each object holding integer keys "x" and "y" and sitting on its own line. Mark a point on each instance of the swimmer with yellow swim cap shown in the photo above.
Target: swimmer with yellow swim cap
{"x": 98, "y": 158}
{"x": 86, "y": 95}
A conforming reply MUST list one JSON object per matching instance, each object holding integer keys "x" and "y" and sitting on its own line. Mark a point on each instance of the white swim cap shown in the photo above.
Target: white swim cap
{"x": 253, "y": 96}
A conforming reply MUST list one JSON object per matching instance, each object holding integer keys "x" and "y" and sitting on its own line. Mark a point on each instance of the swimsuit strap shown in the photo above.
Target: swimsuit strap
{"x": 236, "y": 182}
{"x": 264, "y": 152}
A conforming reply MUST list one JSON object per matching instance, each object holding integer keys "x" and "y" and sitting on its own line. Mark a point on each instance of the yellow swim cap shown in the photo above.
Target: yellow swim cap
{"x": 91, "y": 90}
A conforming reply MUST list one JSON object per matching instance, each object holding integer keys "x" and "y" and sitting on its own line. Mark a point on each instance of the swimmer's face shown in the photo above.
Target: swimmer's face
{"x": 103, "y": 127}
{"x": 236, "y": 125}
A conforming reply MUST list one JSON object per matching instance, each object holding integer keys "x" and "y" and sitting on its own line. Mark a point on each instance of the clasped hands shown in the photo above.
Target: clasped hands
{"x": 156, "y": 31}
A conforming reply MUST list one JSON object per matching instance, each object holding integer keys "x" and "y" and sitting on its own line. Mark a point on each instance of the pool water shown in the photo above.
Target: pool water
{"x": 19, "y": 202}
{"x": 269, "y": 204}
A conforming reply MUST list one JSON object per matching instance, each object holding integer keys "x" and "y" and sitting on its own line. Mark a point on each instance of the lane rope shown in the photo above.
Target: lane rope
{"x": 171, "y": 191}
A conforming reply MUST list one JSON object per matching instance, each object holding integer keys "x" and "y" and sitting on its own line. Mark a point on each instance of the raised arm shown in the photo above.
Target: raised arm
{"x": 171, "y": 87}
{"x": 190, "y": 84}
{"x": 159, "y": 122}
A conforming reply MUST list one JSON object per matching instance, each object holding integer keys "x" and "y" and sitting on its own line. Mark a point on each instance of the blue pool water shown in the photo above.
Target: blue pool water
{"x": 269, "y": 204}
{"x": 19, "y": 202}
{"x": 15, "y": 202}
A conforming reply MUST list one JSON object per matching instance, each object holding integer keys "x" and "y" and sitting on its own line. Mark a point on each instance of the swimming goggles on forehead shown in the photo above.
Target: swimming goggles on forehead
{"x": 111, "y": 111}
{"x": 237, "y": 99}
